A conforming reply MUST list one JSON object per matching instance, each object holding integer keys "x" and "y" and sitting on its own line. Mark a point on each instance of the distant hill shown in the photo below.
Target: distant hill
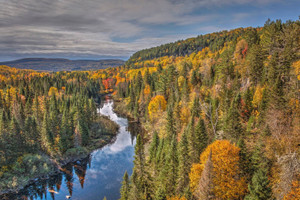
{"x": 59, "y": 64}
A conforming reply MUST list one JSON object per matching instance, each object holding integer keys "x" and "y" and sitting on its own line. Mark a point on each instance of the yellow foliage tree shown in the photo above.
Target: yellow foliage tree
{"x": 228, "y": 184}
{"x": 157, "y": 104}
{"x": 185, "y": 115}
{"x": 53, "y": 90}
{"x": 257, "y": 96}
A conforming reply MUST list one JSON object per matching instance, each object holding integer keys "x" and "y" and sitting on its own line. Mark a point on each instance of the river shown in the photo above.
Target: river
{"x": 98, "y": 175}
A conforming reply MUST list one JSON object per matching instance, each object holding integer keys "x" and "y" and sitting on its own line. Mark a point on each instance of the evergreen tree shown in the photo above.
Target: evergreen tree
{"x": 125, "y": 187}
{"x": 184, "y": 164}
{"x": 141, "y": 179}
{"x": 256, "y": 64}
{"x": 47, "y": 139}
{"x": 154, "y": 146}
{"x": 171, "y": 127}
{"x": 244, "y": 158}
{"x": 1, "y": 121}
{"x": 196, "y": 107}
{"x": 172, "y": 168}
{"x": 233, "y": 125}
{"x": 201, "y": 138}
{"x": 260, "y": 186}
{"x": 193, "y": 143}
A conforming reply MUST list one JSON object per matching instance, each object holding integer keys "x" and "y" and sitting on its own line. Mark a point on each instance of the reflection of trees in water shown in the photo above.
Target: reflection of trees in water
{"x": 80, "y": 169}
{"x": 135, "y": 128}
{"x": 52, "y": 185}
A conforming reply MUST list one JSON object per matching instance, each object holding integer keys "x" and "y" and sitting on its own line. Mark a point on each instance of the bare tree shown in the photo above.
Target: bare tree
{"x": 211, "y": 114}
{"x": 205, "y": 187}
{"x": 290, "y": 168}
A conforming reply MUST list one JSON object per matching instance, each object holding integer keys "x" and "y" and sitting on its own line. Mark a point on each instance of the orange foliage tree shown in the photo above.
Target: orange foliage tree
{"x": 176, "y": 198}
{"x": 294, "y": 194}
{"x": 228, "y": 183}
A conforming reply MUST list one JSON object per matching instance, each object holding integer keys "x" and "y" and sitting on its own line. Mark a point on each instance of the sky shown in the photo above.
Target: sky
{"x": 98, "y": 29}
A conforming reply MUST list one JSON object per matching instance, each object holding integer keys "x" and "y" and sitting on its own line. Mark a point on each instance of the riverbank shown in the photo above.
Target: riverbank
{"x": 120, "y": 107}
{"x": 33, "y": 167}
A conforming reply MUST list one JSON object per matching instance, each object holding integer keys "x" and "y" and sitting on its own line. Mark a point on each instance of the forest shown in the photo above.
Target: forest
{"x": 221, "y": 114}
{"x": 46, "y": 120}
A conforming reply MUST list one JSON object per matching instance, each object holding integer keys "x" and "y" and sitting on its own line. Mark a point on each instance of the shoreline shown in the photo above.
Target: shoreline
{"x": 60, "y": 162}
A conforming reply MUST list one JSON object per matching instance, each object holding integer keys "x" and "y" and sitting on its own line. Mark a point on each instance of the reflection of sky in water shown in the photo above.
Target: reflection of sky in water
{"x": 108, "y": 165}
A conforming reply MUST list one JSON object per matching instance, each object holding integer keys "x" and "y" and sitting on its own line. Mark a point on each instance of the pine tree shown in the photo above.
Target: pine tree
{"x": 154, "y": 146}
{"x": 233, "y": 125}
{"x": 141, "y": 178}
{"x": 84, "y": 132}
{"x": 184, "y": 164}
{"x": 256, "y": 64}
{"x": 194, "y": 79}
{"x": 260, "y": 186}
{"x": 192, "y": 140}
{"x": 125, "y": 187}
{"x": 1, "y": 121}
{"x": 196, "y": 107}
{"x": 47, "y": 139}
{"x": 172, "y": 168}
{"x": 244, "y": 158}
{"x": 201, "y": 137}
{"x": 171, "y": 127}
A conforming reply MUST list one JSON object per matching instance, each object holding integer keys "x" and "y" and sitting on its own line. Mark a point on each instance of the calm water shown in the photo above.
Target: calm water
{"x": 98, "y": 175}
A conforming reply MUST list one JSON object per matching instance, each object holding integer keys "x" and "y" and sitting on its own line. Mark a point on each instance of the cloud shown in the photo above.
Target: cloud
{"x": 95, "y": 28}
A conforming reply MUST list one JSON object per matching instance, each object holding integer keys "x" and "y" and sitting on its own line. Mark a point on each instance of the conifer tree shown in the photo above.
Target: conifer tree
{"x": 47, "y": 139}
{"x": 244, "y": 158}
{"x": 172, "y": 167}
{"x": 171, "y": 127}
{"x": 192, "y": 140}
{"x": 201, "y": 137}
{"x": 256, "y": 64}
{"x": 125, "y": 187}
{"x": 141, "y": 178}
{"x": 196, "y": 107}
{"x": 184, "y": 164}
{"x": 154, "y": 146}
{"x": 260, "y": 186}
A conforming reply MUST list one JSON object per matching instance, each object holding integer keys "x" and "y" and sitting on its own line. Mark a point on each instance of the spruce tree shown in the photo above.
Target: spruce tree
{"x": 201, "y": 137}
{"x": 172, "y": 168}
{"x": 184, "y": 164}
{"x": 141, "y": 178}
{"x": 171, "y": 127}
{"x": 244, "y": 158}
{"x": 125, "y": 187}
{"x": 154, "y": 146}
{"x": 196, "y": 107}
{"x": 259, "y": 189}
{"x": 47, "y": 138}
{"x": 192, "y": 140}
{"x": 256, "y": 64}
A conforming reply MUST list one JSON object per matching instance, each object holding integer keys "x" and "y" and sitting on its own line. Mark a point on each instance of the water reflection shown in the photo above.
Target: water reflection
{"x": 98, "y": 175}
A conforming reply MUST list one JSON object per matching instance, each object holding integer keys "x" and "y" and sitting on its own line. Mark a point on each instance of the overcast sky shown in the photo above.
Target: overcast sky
{"x": 95, "y": 29}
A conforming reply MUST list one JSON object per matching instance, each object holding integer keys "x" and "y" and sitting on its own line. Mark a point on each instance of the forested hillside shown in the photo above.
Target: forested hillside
{"x": 222, "y": 115}
{"x": 59, "y": 64}
{"x": 47, "y": 119}
{"x": 221, "y": 112}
